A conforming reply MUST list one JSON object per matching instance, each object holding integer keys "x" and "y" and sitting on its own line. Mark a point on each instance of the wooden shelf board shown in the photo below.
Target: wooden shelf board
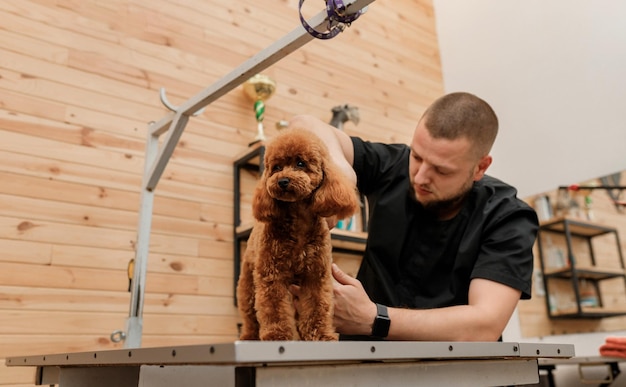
{"x": 586, "y": 271}
{"x": 589, "y": 312}
{"x": 577, "y": 227}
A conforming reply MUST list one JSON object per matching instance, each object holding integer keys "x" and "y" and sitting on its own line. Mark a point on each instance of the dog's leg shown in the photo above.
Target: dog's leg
{"x": 315, "y": 319}
{"x": 245, "y": 303}
{"x": 275, "y": 312}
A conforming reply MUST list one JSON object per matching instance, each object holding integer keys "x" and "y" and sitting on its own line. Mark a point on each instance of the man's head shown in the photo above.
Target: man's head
{"x": 450, "y": 150}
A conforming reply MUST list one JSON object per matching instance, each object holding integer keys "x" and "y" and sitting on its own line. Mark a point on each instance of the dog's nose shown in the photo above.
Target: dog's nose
{"x": 283, "y": 183}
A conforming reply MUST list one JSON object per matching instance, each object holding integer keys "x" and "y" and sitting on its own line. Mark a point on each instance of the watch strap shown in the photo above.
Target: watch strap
{"x": 381, "y": 310}
{"x": 380, "y": 328}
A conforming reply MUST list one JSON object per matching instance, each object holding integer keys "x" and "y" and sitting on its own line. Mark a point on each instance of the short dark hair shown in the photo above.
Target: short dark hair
{"x": 461, "y": 114}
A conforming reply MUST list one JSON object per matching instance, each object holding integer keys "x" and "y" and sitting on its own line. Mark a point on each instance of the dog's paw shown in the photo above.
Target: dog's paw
{"x": 334, "y": 337}
{"x": 320, "y": 337}
{"x": 277, "y": 336}
{"x": 249, "y": 336}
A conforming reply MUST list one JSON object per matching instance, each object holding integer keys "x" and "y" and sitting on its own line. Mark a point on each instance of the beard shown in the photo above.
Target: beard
{"x": 447, "y": 204}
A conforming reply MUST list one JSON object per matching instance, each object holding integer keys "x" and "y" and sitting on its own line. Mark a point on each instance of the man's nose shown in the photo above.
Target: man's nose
{"x": 422, "y": 176}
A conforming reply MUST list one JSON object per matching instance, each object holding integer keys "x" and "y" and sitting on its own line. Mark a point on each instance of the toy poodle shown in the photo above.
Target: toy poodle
{"x": 290, "y": 243}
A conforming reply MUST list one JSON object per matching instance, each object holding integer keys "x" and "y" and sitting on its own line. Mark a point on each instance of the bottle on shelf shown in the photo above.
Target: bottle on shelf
{"x": 555, "y": 258}
{"x": 588, "y": 296}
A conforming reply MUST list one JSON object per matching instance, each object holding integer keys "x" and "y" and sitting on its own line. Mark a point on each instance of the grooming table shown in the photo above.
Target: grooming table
{"x": 298, "y": 363}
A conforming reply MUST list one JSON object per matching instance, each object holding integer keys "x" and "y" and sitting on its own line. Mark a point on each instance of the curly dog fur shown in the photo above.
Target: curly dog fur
{"x": 290, "y": 242}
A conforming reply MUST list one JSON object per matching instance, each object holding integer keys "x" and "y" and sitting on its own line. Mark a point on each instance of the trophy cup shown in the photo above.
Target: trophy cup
{"x": 259, "y": 88}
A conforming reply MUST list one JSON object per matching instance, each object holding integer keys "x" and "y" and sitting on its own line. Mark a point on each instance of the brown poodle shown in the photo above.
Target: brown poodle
{"x": 290, "y": 242}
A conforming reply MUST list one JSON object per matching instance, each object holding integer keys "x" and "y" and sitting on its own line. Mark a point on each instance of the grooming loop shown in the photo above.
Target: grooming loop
{"x": 171, "y": 107}
{"x": 338, "y": 19}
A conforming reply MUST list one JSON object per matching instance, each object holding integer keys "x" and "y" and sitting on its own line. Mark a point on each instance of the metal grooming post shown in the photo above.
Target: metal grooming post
{"x": 173, "y": 124}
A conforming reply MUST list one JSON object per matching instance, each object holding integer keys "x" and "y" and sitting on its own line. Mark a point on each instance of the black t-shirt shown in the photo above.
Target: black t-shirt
{"x": 414, "y": 260}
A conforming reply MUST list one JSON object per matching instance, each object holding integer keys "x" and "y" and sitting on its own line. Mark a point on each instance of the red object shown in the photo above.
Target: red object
{"x": 614, "y": 347}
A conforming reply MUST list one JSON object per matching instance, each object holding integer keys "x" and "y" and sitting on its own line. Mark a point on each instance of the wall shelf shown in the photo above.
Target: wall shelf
{"x": 583, "y": 278}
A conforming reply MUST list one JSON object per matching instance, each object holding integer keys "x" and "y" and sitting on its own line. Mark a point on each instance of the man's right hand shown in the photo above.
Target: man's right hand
{"x": 354, "y": 311}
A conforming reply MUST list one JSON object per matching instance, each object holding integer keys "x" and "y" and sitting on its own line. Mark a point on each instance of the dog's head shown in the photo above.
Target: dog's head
{"x": 297, "y": 168}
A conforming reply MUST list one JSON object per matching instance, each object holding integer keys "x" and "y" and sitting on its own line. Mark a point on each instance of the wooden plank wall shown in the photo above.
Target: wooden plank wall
{"x": 79, "y": 82}
{"x": 534, "y": 319}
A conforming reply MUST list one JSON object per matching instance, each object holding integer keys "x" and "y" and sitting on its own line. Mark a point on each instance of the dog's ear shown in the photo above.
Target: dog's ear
{"x": 336, "y": 196}
{"x": 262, "y": 203}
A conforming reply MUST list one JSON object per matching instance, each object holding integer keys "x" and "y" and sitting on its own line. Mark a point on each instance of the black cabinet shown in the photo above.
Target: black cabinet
{"x": 580, "y": 261}
{"x": 251, "y": 163}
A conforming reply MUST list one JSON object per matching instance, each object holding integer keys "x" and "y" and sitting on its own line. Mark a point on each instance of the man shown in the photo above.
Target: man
{"x": 449, "y": 250}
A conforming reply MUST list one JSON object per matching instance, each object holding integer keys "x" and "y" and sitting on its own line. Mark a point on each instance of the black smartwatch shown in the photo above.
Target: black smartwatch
{"x": 380, "y": 328}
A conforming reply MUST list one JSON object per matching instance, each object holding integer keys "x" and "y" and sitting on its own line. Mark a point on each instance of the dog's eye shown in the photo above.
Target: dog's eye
{"x": 300, "y": 164}
{"x": 276, "y": 168}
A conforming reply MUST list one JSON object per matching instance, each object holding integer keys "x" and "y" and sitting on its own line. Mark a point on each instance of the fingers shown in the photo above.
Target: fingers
{"x": 341, "y": 277}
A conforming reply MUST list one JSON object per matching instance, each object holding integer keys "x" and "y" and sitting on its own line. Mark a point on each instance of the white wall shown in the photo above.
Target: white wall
{"x": 554, "y": 71}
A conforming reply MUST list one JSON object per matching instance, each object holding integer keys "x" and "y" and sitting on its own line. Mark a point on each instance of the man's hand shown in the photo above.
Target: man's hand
{"x": 354, "y": 311}
{"x": 491, "y": 305}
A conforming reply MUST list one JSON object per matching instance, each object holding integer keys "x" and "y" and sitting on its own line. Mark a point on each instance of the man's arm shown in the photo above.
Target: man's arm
{"x": 491, "y": 305}
{"x": 339, "y": 143}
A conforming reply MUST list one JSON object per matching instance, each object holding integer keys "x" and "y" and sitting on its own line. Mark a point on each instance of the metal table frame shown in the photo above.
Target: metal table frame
{"x": 255, "y": 363}
{"x": 610, "y": 366}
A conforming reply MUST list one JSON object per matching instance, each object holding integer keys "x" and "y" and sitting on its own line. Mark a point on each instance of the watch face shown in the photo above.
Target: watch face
{"x": 384, "y": 326}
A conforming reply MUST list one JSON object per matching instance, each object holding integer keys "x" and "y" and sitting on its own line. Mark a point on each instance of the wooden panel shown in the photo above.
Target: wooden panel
{"x": 79, "y": 85}
{"x": 16, "y": 345}
{"x": 106, "y": 197}
{"x": 80, "y": 323}
{"x": 51, "y": 276}
{"x": 16, "y": 376}
{"x": 84, "y": 300}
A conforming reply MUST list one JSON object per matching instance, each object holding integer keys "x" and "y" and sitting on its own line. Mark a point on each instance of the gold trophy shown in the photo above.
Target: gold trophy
{"x": 259, "y": 88}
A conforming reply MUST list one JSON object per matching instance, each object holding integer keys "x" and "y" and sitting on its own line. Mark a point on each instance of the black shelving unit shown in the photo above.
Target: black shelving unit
{"x": 576, "y": 273}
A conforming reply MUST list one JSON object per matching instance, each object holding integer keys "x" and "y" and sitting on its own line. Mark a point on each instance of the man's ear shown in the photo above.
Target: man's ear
{"x": 482, "y": 167}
